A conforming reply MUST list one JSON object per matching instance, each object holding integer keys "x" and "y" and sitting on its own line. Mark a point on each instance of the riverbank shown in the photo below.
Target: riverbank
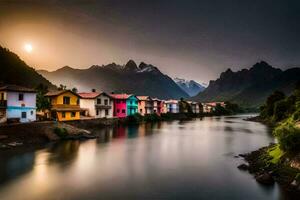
{"x": 269, "y": 165}
{"x": 40, "y": 133}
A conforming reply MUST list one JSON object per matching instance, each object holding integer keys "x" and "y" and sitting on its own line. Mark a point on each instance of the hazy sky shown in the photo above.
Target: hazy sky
{"x": 193, "y": 39}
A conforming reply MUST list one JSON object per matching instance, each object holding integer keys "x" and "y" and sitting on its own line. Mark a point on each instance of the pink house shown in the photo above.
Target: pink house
{"x": 124, "y": 105}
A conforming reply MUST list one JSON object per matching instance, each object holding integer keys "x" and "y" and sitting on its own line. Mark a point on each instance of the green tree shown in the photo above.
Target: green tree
{"x": 74, "y": 90}
{"x": 62, "y": 87}
{"x": 42, "y": 102}
{"x": 268, "y": 108}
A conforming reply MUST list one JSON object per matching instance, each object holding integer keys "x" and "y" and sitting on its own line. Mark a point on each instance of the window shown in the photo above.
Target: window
{"x": 21, "y": 97}
{"x": 98, "y": 101}
{"x": 24, "y": 115}
{"x": 2, "y": 96}
{"x": 31, "y": 112}
{"x": 106, "y": 112}
{"x": 66, "y": 100}
{"x": 141, "y": 110}
{"x": 123, "y": 110}
{"x": 97, "y": 112}
{"x": 73, "y": 114}
{"x": 130, "y": 102}
{"x": 106, "y": 102}
{"x": 63, "y": 114}
{"x": 118, "y": 110}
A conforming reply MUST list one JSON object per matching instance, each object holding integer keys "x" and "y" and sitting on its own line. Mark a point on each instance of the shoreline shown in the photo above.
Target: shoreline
{"x": 267, "y": 173}
{"x": 268, "y": 165}
{"x": 39, "y": 134}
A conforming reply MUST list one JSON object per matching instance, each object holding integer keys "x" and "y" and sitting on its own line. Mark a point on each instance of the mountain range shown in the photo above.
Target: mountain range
{"x": 16, "y": 71}
{"x": 191, "y": 87}
{"x": 250, "y": 87}
{"x": 142, "y": 79}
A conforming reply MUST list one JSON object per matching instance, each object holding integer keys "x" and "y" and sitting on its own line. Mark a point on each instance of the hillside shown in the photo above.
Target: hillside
{"x": 15, "y": 71}
{"x": 144, "y": 79}
{"x": 191, "y": 87}
{"x": 250, "y": 87}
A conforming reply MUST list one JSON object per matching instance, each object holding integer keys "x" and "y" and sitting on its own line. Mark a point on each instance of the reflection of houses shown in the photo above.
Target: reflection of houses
{"x": 145, "y": 105}
{"x": 210, "y": 107}
{"x": 17, "y": 104}
{"x": 124, "y": 105}
{"x": 172, "y": 106}
{"x": 96, "y": 104}
{"x": 64, "y": 105}
{"x": 158, "y": 106}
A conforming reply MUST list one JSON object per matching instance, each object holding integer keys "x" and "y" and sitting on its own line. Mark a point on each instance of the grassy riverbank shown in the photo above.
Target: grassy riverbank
{"x": 279, "y": 162}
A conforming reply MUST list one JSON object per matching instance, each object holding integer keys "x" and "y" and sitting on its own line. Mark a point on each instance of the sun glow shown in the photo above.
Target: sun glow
{"x": 28, "y": 47}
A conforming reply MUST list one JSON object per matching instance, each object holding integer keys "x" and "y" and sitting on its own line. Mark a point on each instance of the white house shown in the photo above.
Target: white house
{"x": 96, "y": 104}
{"x": 17, "y": 104}
{"x": 172, "y": 106}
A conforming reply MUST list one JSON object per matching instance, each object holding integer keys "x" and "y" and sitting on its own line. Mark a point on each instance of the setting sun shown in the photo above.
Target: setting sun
{"x": 28, "y": 48}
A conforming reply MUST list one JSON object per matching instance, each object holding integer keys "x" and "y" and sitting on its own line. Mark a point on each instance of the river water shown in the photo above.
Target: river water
{"x": 167, "y": 160}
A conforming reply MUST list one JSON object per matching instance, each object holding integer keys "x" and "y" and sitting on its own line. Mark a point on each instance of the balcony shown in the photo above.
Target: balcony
{"x": 65, "y": 107}
{"x": 3, "y": 103}
{"x": 99, "y": 106}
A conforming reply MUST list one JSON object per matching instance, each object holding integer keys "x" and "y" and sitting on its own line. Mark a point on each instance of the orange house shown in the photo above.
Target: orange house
{"x": 64, "y": 105}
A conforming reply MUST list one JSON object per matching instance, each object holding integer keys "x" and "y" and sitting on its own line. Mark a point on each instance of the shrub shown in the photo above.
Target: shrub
{"x": 288, "y": 136}
{"x": 61, "y": 132}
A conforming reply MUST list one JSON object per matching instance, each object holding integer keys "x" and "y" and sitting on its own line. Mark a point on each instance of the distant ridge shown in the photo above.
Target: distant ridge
{"x": 191, "y": 87}
{"x": 250, "y": 87}
{"x": 142, "y": 79}
{"x": 15, "y": 71}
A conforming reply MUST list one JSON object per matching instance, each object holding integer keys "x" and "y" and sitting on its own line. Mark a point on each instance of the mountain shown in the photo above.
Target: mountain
{"x": 250, "y": 87}
{"x": 142, "y": 79}
{"x": 15, "y": 71}
{"x": 191, "y": 87}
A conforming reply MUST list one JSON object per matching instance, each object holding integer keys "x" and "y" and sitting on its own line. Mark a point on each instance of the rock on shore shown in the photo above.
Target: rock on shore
{"x": 38, "y": 133}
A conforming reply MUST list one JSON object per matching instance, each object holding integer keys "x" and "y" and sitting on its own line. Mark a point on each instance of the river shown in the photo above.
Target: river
{"x": 168, "y": 160}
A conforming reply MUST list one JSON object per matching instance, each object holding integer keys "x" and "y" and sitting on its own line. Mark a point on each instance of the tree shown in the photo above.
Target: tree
{"x": 62, "y": 87}
{"x": 74, "y": 90}
{"x": 268, "y": 109}
{"x": 280, "y": 110}
{"x": 42, "y": 102}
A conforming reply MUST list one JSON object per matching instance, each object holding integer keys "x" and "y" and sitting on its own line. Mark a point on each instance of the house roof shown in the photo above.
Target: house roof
{"x": 59, "y": 92}
{"x": 171, "y": 101}
{"x": 91, "y": 95}
{"x": 144, "y": 98}
{"x": 16, "y": 88}
{"x": 121, "y": 96}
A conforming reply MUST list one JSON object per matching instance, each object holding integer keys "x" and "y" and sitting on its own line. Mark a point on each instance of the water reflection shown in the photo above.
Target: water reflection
{"x": 183, "y": 160}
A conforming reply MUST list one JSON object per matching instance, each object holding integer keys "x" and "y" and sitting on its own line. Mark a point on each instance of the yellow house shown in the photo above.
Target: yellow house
{"x": 64, "y": 105}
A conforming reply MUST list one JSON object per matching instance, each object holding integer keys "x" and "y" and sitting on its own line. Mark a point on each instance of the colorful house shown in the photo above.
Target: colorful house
{"x": 17, "y": 104}
{"x": 172, "y": 106}
{"x": 145, "y": 105}
{"x": 96, "y": 104}
{"x": 124, "y": 105}
{"x": 210, "y": 107}
{"x": 158, "y": 106}
{"x": 64, "y": 105}
{"x": 195, "y": 106}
